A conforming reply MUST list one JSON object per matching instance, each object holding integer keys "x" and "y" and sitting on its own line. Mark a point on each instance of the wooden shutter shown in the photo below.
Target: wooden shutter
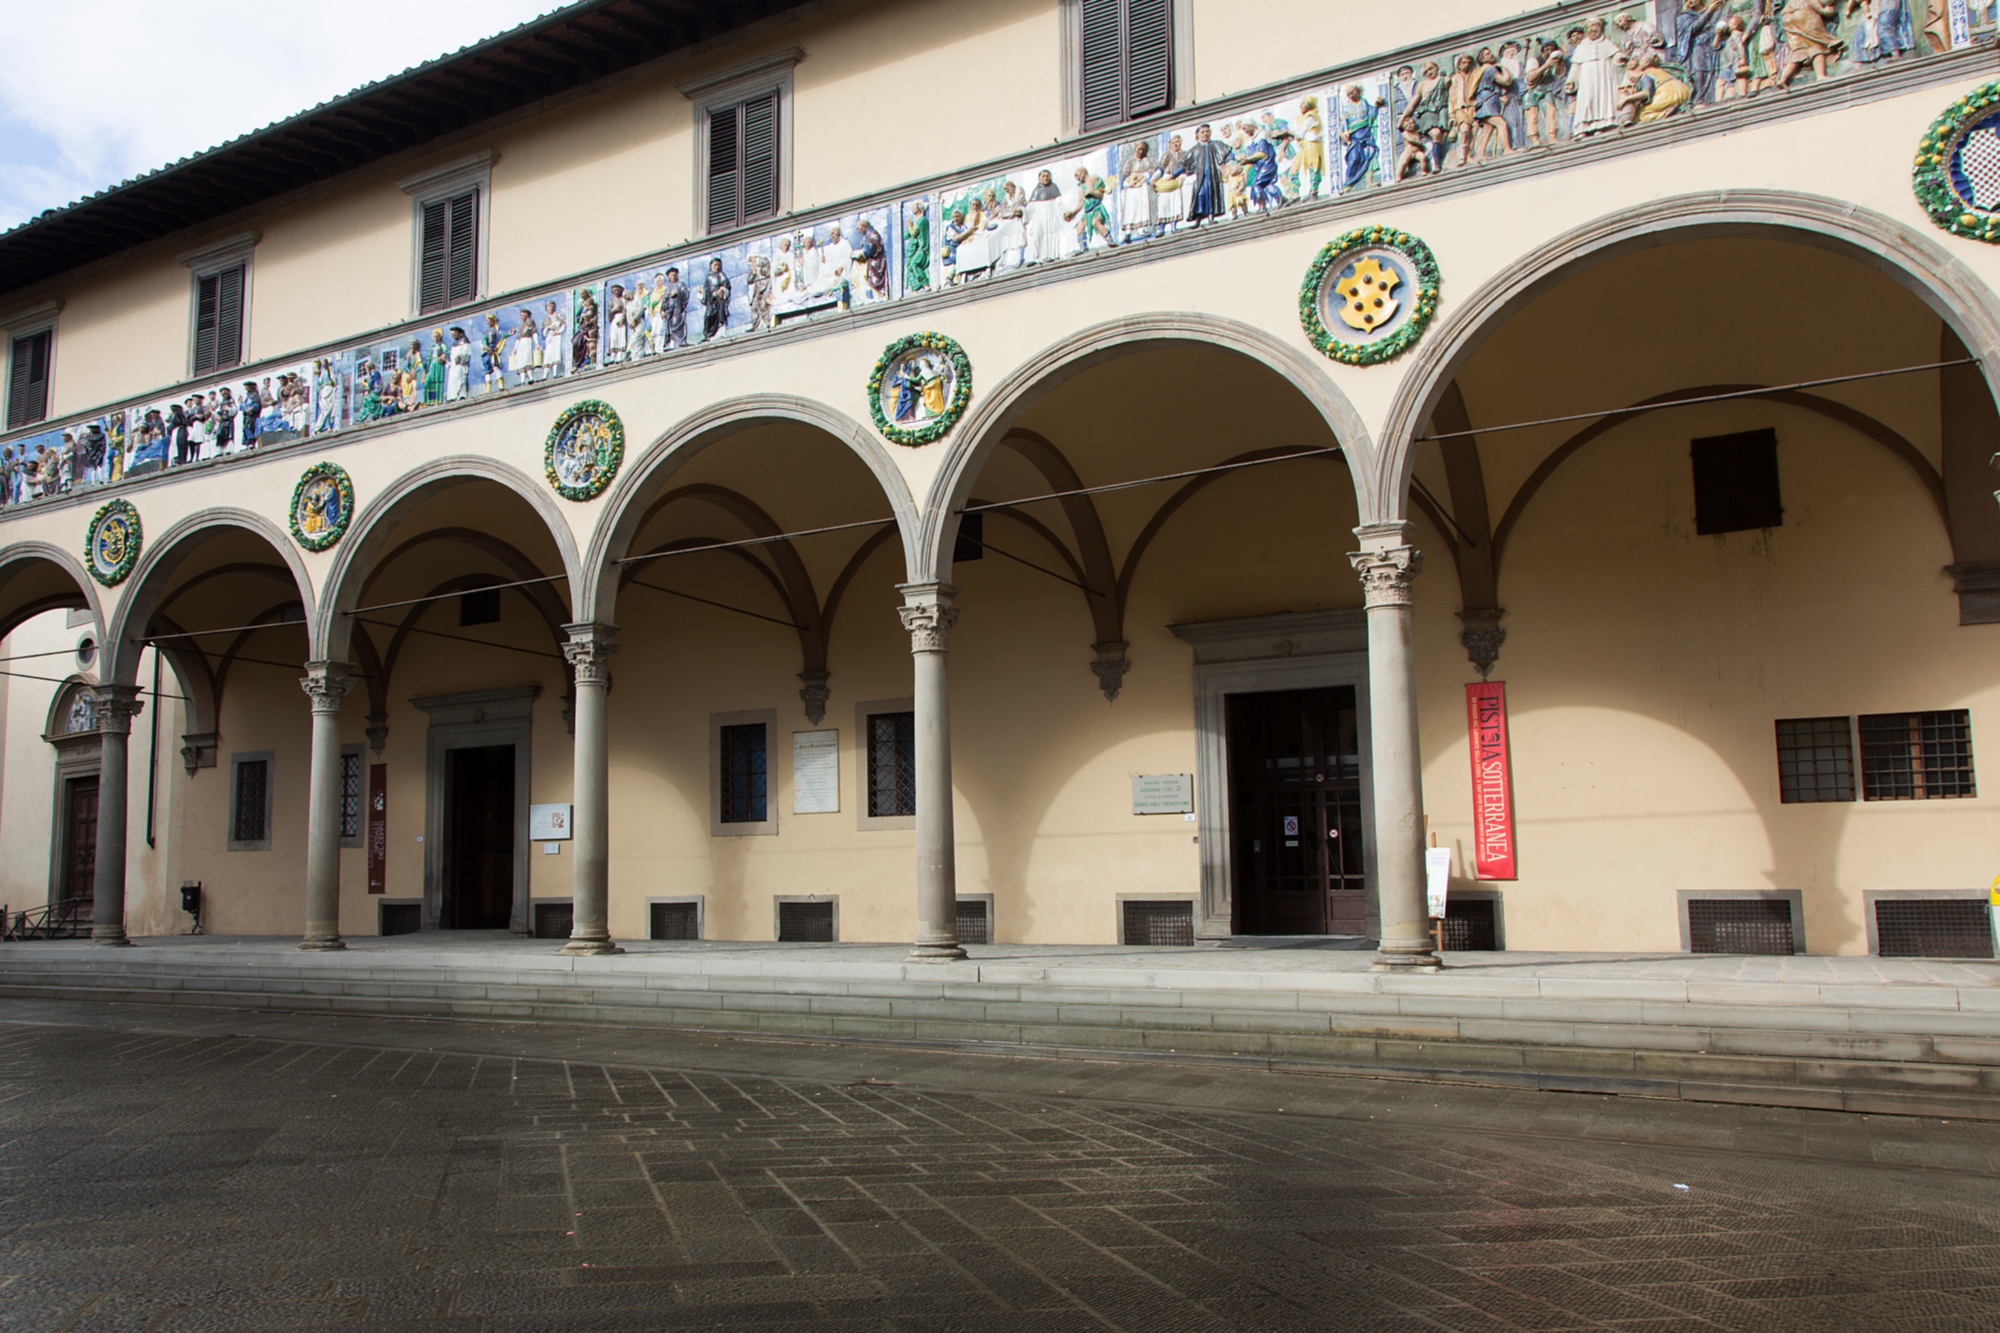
{"x": 28, "y": 380}
{"x": 218, "y": 321}
{"x": 435, "y": 245}
{"x": 1127, "y": 56}
{"x": 760, "y": 157}
{"x": 725, "y": 161}
{"x": 448, "y": 263}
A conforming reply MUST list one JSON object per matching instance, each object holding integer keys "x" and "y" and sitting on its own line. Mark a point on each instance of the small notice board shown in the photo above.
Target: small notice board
{"x": 548, "y": 823}
{"x": 1162, "y": 793}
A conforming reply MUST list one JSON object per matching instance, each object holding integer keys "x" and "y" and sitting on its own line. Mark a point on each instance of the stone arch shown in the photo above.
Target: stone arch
{"x": 25, "y": 566}
{"x": 163, "y": 555}
{"x": 357, "y": 556}
{"x": 1919, "y": 263}
{"x": 627, "y": 505}
{"x": 1000, "y": 408}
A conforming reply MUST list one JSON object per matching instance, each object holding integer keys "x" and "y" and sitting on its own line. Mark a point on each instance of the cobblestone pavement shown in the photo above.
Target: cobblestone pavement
{"x": 239, "y": 1171}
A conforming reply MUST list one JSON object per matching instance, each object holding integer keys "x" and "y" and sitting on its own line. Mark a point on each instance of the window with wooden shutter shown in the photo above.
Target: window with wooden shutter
{"x": 743, "y": 162}
{"x": 28, "y": 378}
{"x": 1127, "y": 53}
{"x": 218, "y": 320}
{"x": 449, "y": 252}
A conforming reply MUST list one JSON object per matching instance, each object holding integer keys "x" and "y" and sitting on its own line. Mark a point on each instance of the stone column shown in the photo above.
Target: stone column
{"x": 589, "y": 652}
{"x": 1388, "y": 566}
{"x": 327, "y": 684}
{"x": 116, "y": 706}
{"x": 928, "y": 614}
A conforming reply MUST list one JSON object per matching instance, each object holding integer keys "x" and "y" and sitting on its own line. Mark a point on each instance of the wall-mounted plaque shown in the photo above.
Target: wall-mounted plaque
{"x": 816, "y": 772}
{"x": 1162, "y": 793}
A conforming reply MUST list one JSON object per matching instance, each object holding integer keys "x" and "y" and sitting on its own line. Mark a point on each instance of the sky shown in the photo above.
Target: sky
{"x": 98, "y": 91}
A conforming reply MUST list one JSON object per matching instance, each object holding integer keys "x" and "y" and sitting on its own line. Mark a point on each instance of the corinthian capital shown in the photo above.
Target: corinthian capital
{"x": 928, "y": 614}
{"x": 115, "y": 706}
{"x": 1386, "y": 575}
{"x": 327, "y": 684}
{"x": 589, "y": 651}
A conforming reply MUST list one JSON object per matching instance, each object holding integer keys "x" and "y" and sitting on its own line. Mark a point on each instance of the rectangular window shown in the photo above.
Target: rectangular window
{"x": 1127, "y": 52}
{"x": 28, "y": 378}
{"x": 481, "y": 606}
{"x": 1815, "y": 759}
{"x": 350, "y": 797}
{"x": 218, "y": 320}
{"x": 1916, "y": 756}
{"x": 892, "y": 764}
{"x": 743, "y": 162}
{"x": 971, "y": 543}
{"x": 745, "y": 774}
{"x": 449, "y": 252}
{"x": 1736, "y": 482}
{"x": 249, "y": 820}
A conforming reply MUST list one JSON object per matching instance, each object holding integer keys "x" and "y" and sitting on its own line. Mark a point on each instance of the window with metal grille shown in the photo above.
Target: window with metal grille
{"x": 805, "y": 923}
{"x": 248, "y": 822}
{"x": 28, "y": 378}
{"x": 674, "y": 921}
{"x": 1916, "y": 756}
{"x": 1933, "y": 928}
{"x": 449, "y": 252}
{"x": 971, "y": 541}
{"x": 744, "y": 774}
{"x": 1736, "y": 482}
{"x": 350, "y": 796}
{"x": 743, "y": 162}
{"x": 554, "y": 921}
{"x": 218, "y": 320}
{"x": 892, "y": 764}
{"x": 1127, "y": 52}
{"x": 1471, "y": 924}
{"x": 399, "y": 918}
{"x": 1815, "y": 759}
{"x": 1739, "y": 925}
{"x": 1169, "y": 922}
{"x": 975, "y": 921}
{"x": 481, "y": 606}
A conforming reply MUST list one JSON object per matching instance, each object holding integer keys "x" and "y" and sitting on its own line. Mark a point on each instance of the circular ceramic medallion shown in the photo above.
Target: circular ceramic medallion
{"x": 584, "y": 450}
{"x": 322, "y": 505}
{"x": 1958, "y": 166}
{"x": 111, "y": 546}
{"x": 1369, "y": 295}
{"x": 921, "y": 386}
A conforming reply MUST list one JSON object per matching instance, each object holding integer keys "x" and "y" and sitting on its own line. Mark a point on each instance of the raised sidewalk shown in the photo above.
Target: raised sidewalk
{"x": 1899, "y": 1036}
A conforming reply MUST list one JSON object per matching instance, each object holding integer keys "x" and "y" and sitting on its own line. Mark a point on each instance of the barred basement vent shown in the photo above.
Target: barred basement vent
{"x": 805, "y": 923}
{"x": 399, "y": 918}
{"x": 1169, "y": 922}
{"x": 554, "y": 921}
{"x": 975, "y": 924}
{"x": 1933, "y": 928}
{"x": 675, "y": 921}
{"x": 1739, "y": 925}
{"x": 1470, "y": 924}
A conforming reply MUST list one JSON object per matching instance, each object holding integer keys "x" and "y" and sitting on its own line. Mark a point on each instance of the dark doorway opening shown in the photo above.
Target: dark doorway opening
{"x": 1295, "y": 813}
{"x": 479, "y": 839}
{"x": 79, "y": 840}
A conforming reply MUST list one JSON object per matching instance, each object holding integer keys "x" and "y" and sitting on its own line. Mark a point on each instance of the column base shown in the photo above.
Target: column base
{"x": 937, "y": 953}
{"x": 577, "y": 948}
{"x": 114, "y": 936}
{"x": 322, "y": 946}
{"x": 1423, "y": 960}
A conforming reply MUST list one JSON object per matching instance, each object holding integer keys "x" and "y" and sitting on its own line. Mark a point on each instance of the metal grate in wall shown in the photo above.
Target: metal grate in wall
{"x": 1471, "y": 924}
{"x": 675, "y": 921}
{"x": 1933, "y": 928}
{"x": 805, "y": 923}
{"x": 1815, "y": 759}
{"x": 399, "y": 918}
{"x": 1740, "y": 925}
{"x": 1169, "y": 922}
{"x": 1916, "y": 756}
{"x": 554, "y": 921}
{"x": 975, "y": 925}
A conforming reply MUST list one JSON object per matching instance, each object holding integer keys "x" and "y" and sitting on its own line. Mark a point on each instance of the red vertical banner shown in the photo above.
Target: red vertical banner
{"x": 378, "y": 828}
{"x": 1492, "y": 795}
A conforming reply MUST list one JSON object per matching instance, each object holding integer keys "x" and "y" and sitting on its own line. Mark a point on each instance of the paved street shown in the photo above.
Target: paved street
{"x": 213, "y": 1170}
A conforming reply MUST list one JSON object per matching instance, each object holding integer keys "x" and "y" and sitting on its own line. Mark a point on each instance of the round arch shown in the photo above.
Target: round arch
{"x": 376, "y": 523}
{"x": 1921, "y": 265}
{"x": 1001, "y": 407}
{"x": 625, "y": 507}
{"x": 22, "y": 562}
{"x": 156, "y": 566}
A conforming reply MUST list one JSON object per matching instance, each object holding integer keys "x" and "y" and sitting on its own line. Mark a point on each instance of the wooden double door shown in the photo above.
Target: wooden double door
{"x": 79, "y": 839}
{"x": 1295, "y": 780}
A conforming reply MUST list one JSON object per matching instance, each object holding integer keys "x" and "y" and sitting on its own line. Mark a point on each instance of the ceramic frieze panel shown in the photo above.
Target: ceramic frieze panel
{"x": 81, "y": 454}
{"x": 261, "y": 408}
{"x": 1025, "y": 217}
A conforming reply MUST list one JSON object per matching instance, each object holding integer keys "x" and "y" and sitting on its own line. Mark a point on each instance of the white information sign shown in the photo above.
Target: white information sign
{"x": 1437, "y": 878}
{"x": 1162, "y": 793}
{"x": 548, "y": 823}
{"x": 815, "y": 772}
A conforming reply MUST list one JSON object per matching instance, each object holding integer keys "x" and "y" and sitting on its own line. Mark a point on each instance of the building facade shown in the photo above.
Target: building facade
{"x": 1053, "y": 471}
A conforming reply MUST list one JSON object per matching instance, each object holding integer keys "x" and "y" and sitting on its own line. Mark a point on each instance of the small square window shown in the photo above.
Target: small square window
{"x": 1736, "y": 483}
{"x": 892, "y": 764}
{"x": 745, "y": 773}
{"x": 1916, "y": 756}
{"x": 481, "y": 606}
{"x": 1815, "y": 759}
